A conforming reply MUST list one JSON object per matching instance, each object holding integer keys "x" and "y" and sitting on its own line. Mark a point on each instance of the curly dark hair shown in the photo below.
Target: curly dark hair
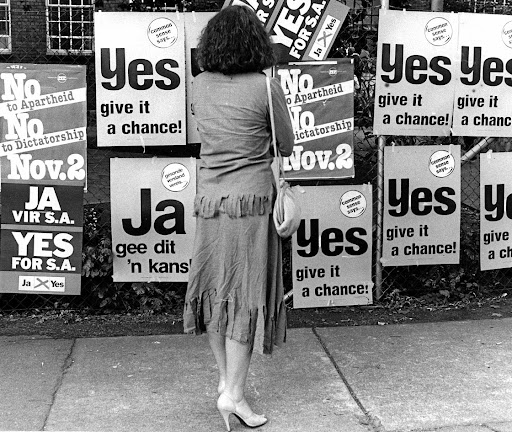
{"x": 234, "y": 41}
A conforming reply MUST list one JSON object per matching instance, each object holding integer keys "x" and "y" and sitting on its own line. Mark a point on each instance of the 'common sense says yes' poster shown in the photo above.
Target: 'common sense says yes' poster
{"x": 332, "y": 249}
{"x": 140, "y": 79}
{"x": 421, "y": 205}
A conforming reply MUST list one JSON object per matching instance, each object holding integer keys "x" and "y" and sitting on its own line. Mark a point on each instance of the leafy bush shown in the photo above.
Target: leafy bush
{"x": 449, "y": 282}
{"x": 97, "y": 267}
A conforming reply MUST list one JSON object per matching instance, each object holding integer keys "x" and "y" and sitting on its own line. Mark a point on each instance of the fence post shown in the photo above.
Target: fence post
{"x": 384, "y": 4}
{"x": 380, "y": 212}
{"x": 436, "y": 5}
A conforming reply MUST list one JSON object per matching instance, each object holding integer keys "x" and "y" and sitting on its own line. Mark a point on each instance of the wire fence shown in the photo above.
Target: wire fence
{"x": 357, "y": 39}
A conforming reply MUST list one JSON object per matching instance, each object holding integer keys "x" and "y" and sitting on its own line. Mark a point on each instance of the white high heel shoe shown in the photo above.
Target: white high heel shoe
{"x": 227, "y": 406}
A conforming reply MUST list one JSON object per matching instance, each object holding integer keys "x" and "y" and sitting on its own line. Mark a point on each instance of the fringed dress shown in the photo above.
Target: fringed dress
{"x": 235, "y": 283}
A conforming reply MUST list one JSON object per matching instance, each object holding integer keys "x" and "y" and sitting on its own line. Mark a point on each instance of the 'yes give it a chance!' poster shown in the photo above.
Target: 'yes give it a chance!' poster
{"x": 421, "y": 205}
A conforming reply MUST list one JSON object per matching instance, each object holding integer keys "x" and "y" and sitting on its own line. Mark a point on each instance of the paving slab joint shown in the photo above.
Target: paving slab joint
{"x": 66, "y": 365}
{"x": 367, "y": 419}
{"x": 457, "y": 427}
{"x": 492, "y": 429}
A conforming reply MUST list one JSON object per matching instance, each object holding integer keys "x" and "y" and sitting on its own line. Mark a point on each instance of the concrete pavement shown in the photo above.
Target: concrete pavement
{"x": 447, "y": 377}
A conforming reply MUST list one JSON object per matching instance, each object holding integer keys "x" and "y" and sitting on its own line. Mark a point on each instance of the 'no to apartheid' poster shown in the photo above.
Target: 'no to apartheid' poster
{"x": 300, "y": 31}
{"x": 140, "y": 79}
{"x": 43, "y": 170}
{"x": 320, "y": 99}
{"x": 332, "y": 249}
{"x": 495, "y": 211}
{"x": 152, "y": 225}
{"x": 421, "y": 205}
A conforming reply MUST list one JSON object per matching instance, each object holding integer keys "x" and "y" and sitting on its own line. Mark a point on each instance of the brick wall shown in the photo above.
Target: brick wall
{"x": 28, "y": 27}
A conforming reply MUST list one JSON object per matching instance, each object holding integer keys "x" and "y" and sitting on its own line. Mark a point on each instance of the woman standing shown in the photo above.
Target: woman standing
{"x": 235, "y": 290}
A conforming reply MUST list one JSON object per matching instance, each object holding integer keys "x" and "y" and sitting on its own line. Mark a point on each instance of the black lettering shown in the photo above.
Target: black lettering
{"x": 415, "y": 63}
{"x": 145, "y": 216}
{"x": 353, "y": 235}
{"x": 492, "y": 65}
{"x": 312, "y": 241}
{"x": 421, "y": 196}
{"x": 446, "y": 76}
{"x": 134, "y": 72}
{"x": 396, "y": 67}
{"x": 402, "y": 200}
{"x": 441, "y": 197}
{"x": 468, "y": 69}
{"x": 118, "y": 72}
{"x": 178, "y": 215}
{"x": 326, "y": 240}
{"x": 173, "y": 77}
{"x": 498, "y": 205}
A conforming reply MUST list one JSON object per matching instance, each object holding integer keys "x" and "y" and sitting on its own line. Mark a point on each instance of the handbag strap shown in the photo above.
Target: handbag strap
{"x": 279, "y": 172}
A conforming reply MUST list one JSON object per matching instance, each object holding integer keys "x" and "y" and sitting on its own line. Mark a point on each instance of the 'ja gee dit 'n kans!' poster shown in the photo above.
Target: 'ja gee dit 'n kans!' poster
{"x": 421, "y": 205}
{"x": 43, "y": 172}
{"x": 152, "y": 224}
{"x": 415, "y": 81}
{"x": 140, "y": 79}
{"x": 300, "y": 30}
{"x": 320, "y": 99}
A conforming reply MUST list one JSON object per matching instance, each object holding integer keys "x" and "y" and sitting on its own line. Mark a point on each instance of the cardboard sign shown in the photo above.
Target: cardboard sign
{"x": 43, "y": 123}
{"x": 421, "y": 205}
{"x": 415, "y": 67}
{"x": 41, "y": 232}
{"x": 43, "y": 173}
{"x": 320, "y": 98}
{"x": 495, "y": 211}
{"x": 332, "y": 249}
{"x": 152, "y": 225}
{"x": 482, "y": 93}
{"x": 140, "y": 79}
{"x": 300, "y": 31}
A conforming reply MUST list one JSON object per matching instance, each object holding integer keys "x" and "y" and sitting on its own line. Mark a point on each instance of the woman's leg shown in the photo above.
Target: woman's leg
{"x": 218, "y": 346}
{"x": 238, "y": 359}
{"x": 232, "y": 400}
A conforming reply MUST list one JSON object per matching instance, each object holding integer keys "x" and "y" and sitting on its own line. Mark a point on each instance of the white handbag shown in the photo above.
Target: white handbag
{"x": 286, "y": 212}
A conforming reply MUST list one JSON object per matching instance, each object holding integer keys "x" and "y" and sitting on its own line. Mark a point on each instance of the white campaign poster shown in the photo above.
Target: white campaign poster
{"x": 152, "y": 225}
{"x": 421, "y": 205}
{"x": 194, "y": 24}
{"x": 484, "y": 85}
{"x": 332, "y": 249}
{"x": 495, "y": 211}
{"x": 415, "y": 73}
{"x": 140, "y": 79}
